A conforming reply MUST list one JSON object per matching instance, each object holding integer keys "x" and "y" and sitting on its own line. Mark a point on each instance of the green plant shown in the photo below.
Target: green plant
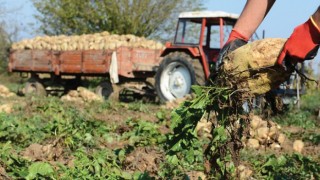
{"x": 302, "y": 119}
{"x": 184, "y": 147}
{"x": 305, "y": 116}
{"x": 293, "y": 166}
{"x": 40, "y": 170}
{"x": 99, "y": 164}
{"x": 143, "y": 133}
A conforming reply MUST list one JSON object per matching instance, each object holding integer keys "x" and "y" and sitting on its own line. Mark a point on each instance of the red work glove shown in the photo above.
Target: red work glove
{"x": 303, "y": 44}
{"x": 235, "y": 41}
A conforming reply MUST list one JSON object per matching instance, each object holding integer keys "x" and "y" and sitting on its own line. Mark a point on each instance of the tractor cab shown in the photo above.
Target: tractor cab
{"x": 202, "y": 34}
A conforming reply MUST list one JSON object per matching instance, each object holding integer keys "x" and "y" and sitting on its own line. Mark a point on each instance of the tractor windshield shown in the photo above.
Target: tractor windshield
{"x": 188, "y": 32}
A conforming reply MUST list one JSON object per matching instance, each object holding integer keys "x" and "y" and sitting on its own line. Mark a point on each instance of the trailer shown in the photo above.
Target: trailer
{"x": 67, "y": 68}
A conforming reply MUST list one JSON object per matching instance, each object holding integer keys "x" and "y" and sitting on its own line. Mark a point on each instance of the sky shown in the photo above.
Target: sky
{"x": 284, "y": 16}
{"x": 280, "y": 22}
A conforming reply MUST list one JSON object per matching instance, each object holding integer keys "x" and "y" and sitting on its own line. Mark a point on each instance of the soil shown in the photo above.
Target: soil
{"x": 144, "y": 159}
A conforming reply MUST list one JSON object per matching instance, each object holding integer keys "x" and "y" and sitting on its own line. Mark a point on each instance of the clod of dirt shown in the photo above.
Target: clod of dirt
{"x": 195, "y": 175}
{"x": 204, "y": 128}
{"x": 253, "y": 143}
{"x": 7, "y": 108}
{"x": 81, "y": 95}
{"x": 144, "y": 160}
{"x": 37, "y": 152}
{"x": 262, "y": 133}
{"x": 5, "y": 92}
{"x": 255, "y": 122}
{"x": 245, "y": 172}
{"x": 176, "y": 103}
{"x": 3, "y": 174}
{"x": 298, "y": 146}
{"x": 282, "y": 138}
{"x": 275, "y": 146}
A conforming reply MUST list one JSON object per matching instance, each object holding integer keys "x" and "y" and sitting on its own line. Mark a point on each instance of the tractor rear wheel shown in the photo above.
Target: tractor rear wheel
{"x": 104, "y": 89}
{"x": 176, "y": 74}
{"x": 34, "y": 87}
{"x": 107, "y": 91}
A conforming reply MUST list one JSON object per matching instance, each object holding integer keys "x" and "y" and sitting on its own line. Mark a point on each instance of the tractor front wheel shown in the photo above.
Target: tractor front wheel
{"x": 176, "y": 74}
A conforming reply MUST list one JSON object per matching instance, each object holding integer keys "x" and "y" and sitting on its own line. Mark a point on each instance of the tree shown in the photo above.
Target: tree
{"x": 8, "y": 32}
{"x": 149, "y": 18}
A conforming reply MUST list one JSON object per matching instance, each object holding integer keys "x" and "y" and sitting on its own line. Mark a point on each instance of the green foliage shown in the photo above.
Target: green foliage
{"x": 314, "y": 138}
{"x": 302, "y": 119}
{"x": 310, "y": 101}
{"x": 293, "y": 166}
{"x": 39, "y": 169}
{"x": 305, "y": 116}
{"x": 100, "y": 164}
{"x": 185, "y": 149}
{"x": 138, "y": 106}
{"x": 49, "y": 120}
{"x": 4, "y": 46}
{"x": 143, "y": 133}
{"x": 141, "y": 18}
{"x": 52, "y": 119}
{"x": 15, "y": 165}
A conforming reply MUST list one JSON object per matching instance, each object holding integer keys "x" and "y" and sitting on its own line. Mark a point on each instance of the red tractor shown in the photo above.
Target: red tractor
{"x": 193, "y": 54}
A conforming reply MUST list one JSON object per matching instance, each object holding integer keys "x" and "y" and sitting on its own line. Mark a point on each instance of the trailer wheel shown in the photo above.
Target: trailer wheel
{"x": 34, "y": 87}
{"x": 176, "y": 73}
{"x": 105, "y": 90}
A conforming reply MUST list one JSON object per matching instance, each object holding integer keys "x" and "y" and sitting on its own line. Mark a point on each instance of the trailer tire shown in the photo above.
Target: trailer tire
{"x": 106, "y": 90}
{"x": 34, "y": 87}
{"x": 176, "y": 73}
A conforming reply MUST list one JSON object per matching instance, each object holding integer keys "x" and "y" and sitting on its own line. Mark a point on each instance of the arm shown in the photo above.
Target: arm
{"x": 251, "y": 17}
{"x": 249, "y": 20}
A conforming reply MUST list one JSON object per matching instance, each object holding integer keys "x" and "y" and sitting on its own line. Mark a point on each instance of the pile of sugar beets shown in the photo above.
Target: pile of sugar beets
{"x": 97, "y": 41}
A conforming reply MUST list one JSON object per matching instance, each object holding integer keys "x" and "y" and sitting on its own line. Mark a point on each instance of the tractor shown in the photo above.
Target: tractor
{"x": 193, "y": 54}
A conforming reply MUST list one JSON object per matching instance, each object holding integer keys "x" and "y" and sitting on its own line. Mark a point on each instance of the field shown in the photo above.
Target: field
{"x": 46, "y": 138}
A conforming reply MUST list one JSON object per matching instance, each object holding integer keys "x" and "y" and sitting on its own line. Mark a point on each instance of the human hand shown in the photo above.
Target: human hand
{"x": 303, "y": 44}
{"x": 235, "y": 41}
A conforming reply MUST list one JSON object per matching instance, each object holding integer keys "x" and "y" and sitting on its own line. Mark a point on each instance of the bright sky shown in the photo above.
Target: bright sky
{"x": 281, "y": 20}
{"x": 283, "y": 17}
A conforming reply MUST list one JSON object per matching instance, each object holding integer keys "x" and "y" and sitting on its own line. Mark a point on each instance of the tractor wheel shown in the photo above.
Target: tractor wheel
{"x": 34, "y": 87}
{"x": 106, "y": 90}
{"x": 176, "y": 73}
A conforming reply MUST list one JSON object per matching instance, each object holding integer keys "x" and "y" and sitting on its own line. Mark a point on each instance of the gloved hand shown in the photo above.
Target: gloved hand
{"x": 303, "y": 44}
{"x": 235, "y": 41}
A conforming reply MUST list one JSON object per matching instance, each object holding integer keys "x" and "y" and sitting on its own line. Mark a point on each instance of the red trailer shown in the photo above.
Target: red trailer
{"x": 121, "y": 65}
